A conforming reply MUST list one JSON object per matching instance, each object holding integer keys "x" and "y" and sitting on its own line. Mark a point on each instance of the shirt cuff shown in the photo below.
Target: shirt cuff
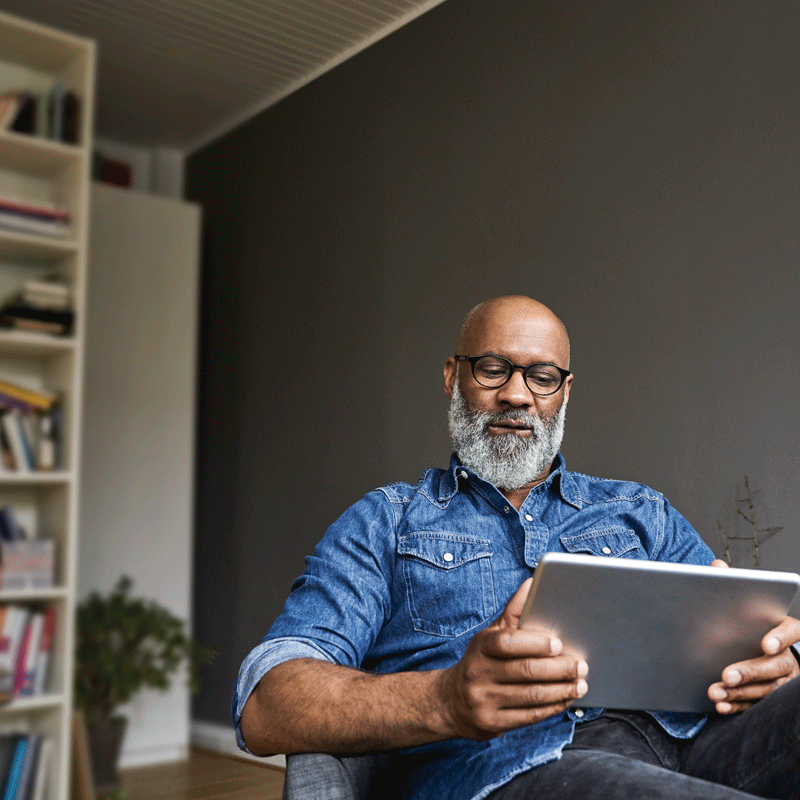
{"x": 260, "y": 661}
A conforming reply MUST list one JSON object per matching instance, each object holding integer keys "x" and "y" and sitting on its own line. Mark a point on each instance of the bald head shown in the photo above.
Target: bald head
{"x": 510, "y": 314}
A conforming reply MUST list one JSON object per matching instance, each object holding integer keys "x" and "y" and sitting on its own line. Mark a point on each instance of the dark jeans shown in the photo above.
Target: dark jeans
{"x": 628, "y": 756}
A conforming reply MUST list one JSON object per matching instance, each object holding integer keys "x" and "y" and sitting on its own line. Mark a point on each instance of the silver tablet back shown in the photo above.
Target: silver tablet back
{"x": 655, "y": 635}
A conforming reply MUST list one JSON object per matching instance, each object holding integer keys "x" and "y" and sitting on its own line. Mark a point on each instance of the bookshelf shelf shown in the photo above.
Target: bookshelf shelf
{"x": 32, "y": 595}
{"x": 23, "y": 343}
{"x": 37, "y": 171}
{"x": 29, "y": 247}
{"x": 36, "y": 155}
{"x": 23, "y": 705}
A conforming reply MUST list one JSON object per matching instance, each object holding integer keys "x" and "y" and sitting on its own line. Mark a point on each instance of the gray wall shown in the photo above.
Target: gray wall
{"x": 635, "y": 166}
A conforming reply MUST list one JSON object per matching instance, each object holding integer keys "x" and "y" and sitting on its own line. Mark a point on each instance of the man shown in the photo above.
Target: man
{"x": 387, "y": 640}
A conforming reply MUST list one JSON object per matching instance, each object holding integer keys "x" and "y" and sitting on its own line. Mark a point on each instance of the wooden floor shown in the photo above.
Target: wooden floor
{"x": 205, "y": 776}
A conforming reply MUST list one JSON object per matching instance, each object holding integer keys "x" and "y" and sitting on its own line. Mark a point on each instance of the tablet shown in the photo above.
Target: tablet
{"x": 655, "y": 635}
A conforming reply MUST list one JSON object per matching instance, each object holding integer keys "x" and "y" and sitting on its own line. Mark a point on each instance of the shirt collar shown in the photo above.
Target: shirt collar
{"x": 559, "y": 478}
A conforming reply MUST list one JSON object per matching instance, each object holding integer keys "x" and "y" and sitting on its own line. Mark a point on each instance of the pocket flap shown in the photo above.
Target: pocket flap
{"x": 443, "y": 550}
{"x": 609, "y": 542}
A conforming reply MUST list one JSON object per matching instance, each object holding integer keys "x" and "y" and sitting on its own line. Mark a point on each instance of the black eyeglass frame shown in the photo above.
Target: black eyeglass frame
{"x": 564, "y": 373}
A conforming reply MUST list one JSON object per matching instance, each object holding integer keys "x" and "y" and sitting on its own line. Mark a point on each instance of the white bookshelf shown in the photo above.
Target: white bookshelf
{"x": 32, "y": 58}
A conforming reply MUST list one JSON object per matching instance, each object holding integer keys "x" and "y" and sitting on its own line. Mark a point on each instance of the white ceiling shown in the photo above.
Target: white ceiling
{"x": 179, "y": 73}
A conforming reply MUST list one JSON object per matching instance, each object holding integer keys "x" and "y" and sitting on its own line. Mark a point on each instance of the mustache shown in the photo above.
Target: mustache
{"x": 511, "y": 415}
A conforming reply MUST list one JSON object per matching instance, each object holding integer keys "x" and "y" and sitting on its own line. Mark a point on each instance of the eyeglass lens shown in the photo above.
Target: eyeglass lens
{"x": 492, "y": 371}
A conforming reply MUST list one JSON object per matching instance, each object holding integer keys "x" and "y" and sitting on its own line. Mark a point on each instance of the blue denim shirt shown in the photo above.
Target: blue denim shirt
{"x": 406, "y": 576}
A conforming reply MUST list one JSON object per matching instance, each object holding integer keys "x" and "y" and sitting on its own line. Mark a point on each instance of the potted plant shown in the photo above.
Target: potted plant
{"x": 125, "y": 644}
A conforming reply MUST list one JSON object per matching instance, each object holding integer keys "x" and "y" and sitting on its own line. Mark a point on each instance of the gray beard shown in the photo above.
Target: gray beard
{"x": 507, "y": 460}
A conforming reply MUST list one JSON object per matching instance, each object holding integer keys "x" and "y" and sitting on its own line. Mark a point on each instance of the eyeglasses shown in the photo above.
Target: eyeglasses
{"x": 493, "y": 372}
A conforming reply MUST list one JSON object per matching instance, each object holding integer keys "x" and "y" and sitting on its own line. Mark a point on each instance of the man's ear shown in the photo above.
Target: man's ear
{"x": 567, "y": 386}
{"x": 450, "y": 375}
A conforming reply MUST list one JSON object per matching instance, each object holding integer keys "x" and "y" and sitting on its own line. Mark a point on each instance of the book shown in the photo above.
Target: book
{"x": 36, "y": 626}
{"x": 28, "y": 771}
{"x": 37, "y": 399}
{"x": 15, "y": 768}
{"x": 40, "y": 783}
{"x": 71, "y": 119}
{"x": 9, "y": 105}
{"x": 10, "y": 530}
{"x": 44, "y": 212}
{"x": 27, "y": 564}
{"x": 56, "y": 109}
{"x": 6, "y": 456}
{"x": 10, "y": 642}
{"x": 7, "y": 743}
{"x": 27, "y": 224}
{"x": 44, "y": 320}
{"x": 46, "y": 294}
{"x": 25, "y": 119}
{"x": 14, "y": 434}
{"x": 45, "y": 650}
{"x": 7, "y": 401}
{"x": 22, "y": 656}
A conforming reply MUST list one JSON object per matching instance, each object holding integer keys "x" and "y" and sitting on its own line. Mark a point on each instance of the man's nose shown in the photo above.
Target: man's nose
{"x": 515, "y": 391}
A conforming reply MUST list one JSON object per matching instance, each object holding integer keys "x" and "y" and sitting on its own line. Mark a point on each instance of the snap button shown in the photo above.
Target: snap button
{"x": 448, "y": 556}
{"x": 606, "y": 550}
{"x": 529, "y": 518}
{"x": 579, "y": 713}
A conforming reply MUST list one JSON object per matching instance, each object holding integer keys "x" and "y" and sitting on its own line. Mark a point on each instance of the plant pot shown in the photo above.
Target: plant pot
{"x": 105, "y": 745}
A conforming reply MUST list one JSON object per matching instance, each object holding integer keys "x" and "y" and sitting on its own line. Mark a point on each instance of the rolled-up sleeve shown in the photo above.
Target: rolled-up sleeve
{"x": 259, "y": 662}
{"x": 338, "y": 606}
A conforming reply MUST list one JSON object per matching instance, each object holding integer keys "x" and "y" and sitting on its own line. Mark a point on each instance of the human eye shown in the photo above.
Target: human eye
{"x": 543, "y": 376}
{"x": 491, "y": 368}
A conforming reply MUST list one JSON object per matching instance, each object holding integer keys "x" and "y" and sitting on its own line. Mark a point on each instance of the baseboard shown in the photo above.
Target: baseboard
{"x": 221, "y": 739}
{"x": 145, "y": 756}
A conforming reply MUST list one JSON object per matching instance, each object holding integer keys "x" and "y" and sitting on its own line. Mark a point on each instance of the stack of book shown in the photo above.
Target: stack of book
{"x": 26, "y": 645}
{"x": 44, "y": 219}
{"x": 30, "y": 429}
{"x": 54, "y": 115}
{"x": 26, "y": 562}
{"x": 43, "y": 306}
{"x": 24, "y": 764}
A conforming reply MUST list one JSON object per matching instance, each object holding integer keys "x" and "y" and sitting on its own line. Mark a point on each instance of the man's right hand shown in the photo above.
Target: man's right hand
{"x": 509, "y": 677}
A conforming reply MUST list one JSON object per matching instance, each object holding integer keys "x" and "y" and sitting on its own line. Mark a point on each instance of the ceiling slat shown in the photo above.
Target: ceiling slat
{"x": 175, "y": 72}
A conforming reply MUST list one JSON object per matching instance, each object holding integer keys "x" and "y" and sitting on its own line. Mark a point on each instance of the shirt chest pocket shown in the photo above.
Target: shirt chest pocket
{"x": 613, "y": 542}
{"x": 449, "y": 582}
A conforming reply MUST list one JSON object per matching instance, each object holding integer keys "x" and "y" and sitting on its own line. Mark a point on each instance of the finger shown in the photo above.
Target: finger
{"x": 536, "y": 695}
{"x": 718, "y": 562}
{"x": 513, "y": 610}
{"x": 749, "y": 692}
{"x": 518, "y": 643}
{"x": 542, "y": 670}
{"x": 781, "y": 637}
{"x": 759, "y": 670}
{"x": 505, "y": 719}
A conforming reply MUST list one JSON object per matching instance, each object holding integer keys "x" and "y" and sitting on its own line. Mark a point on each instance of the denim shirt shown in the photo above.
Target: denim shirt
{"x": 406, "y": 577}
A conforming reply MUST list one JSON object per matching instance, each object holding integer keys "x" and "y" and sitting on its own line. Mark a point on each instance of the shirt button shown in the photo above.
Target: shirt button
{"x": 463, "y": 475}
{"x": 579, "y": 713}
{"x": 506, "y": 509}
{"x": 529, "y": 518}
{"x": 606, "y": 550}
{"x": 448, "y": 557}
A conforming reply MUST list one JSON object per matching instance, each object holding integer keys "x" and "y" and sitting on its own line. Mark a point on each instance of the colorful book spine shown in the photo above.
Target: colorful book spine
{"x": 15, "y": 769}
{"x": 42, "y": 673}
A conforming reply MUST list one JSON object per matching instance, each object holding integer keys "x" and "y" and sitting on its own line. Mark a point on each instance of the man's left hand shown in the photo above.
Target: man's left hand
{"x": 747, "y": 682}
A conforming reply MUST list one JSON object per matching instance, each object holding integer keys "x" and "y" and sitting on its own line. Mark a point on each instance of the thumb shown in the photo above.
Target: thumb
{"x": 513, "y": 610}
{"x": 718, "y": 562}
